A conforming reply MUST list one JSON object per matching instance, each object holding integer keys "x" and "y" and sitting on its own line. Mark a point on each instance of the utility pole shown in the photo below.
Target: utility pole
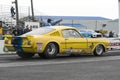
{"x": 17, "y": 13}
{"x": 119, "y": 19}
{"x": 32, "y": 10}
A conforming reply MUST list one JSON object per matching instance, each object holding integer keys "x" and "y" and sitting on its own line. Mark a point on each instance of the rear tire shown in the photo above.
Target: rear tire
{"x": 51, "y": 51}
{"x": 24, "y": 55}
{"x": 99, "y": 50}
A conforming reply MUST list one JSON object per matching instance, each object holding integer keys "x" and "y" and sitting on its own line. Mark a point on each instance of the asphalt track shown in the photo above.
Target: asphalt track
{"x": 64, "y": 67}
{"x": 12, "y": 60}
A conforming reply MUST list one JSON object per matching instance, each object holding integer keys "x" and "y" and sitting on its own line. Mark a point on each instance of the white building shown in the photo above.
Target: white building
{"x": 94, "y": 23}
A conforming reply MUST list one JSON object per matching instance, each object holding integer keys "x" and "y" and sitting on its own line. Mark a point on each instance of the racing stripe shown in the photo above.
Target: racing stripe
{"x": 18, "y": 44}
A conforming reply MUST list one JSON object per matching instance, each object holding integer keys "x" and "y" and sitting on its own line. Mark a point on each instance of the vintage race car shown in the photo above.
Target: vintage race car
{"x": 50, "y": 41}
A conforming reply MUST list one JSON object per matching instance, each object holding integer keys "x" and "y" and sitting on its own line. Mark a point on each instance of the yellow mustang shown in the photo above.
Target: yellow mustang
{"x": 50, "y": 41}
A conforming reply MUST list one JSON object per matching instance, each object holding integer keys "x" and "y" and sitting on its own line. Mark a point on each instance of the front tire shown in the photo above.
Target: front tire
{"x": 51, "y": 51}
{"x": 24, "y": 55}
{"x": 99, "y": 50}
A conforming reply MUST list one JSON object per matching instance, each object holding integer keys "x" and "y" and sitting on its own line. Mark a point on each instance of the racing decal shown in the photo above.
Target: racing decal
{"x": 83, "y": 51}
{"x": 69, "y": 50}
{"x": 39, "y": 47}
{"x": 75, "y": 51}
{"x": 91, "y": 46}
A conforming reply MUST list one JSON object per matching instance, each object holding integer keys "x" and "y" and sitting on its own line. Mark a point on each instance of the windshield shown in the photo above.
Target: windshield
{"x": 39, "y": 31}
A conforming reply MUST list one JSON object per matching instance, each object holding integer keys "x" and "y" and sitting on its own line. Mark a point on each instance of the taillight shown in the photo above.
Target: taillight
{"x": 29, "y": 43}
{"x": 39, "y": 43}
{"x": 6, "y": 41}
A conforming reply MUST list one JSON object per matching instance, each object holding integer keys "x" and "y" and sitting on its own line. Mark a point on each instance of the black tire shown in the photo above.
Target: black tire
{"x": 41, "y": 55}
{"x": 99, "y": 50}
{"x": 24, "y": 55}
{"x": 50, "y": 51}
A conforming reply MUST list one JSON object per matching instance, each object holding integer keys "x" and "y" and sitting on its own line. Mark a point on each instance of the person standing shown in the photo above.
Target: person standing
{"x": 12, "y": 12}
{"x": 30, "y": 28}
{"x": 26, "y": 29}
{"x": 15, "y": 32}
{"x": 1, "y": 32}
{"x": 111, "y": 34}
{"x": 21, "y": 30}
{"x": 50, "y": 22}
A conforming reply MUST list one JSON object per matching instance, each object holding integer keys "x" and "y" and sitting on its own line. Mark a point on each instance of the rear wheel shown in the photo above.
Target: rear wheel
{"x": 51, "y": 51}
{"x": 24, "y": 55}
{"x": 99, "y": 50}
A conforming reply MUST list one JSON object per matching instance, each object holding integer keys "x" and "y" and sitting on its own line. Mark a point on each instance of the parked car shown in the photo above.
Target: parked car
{"x": 50, "y": 41}
{"x": 91, "y": 34}
{"x": 114, "y": 41}
{"x": 88, "y": 33}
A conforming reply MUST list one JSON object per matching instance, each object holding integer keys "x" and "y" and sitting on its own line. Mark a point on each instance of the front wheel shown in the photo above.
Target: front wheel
{"x": 99, "y": 50}
{"x": 51, "y": 51}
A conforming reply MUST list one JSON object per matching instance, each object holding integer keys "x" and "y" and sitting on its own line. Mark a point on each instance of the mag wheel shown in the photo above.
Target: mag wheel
{"x": 99, "y": 50}
{"x": 51, "y": 50}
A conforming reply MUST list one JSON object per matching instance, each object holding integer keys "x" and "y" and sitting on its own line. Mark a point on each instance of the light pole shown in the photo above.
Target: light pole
{"x": 17, "y": 13}
{"x": 96, "y": 24}
{"x": 119, "y": 19}
{"x": 32, "y": 10}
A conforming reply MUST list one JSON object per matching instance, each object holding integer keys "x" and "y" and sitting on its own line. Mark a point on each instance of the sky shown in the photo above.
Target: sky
{"x": 101, "y": 8}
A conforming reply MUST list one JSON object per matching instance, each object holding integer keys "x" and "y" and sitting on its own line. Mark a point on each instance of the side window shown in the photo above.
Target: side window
{"x": 65, "y": 33}
{"x": 70, "y": 33}
{"x": 74, "y": 34}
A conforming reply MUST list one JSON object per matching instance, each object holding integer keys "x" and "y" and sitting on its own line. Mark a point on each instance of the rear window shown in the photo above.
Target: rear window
{"x": 39, "y": 31}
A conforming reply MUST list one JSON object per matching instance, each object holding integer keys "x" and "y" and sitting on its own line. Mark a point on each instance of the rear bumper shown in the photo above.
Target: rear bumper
{"x": 27, "y": 49}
